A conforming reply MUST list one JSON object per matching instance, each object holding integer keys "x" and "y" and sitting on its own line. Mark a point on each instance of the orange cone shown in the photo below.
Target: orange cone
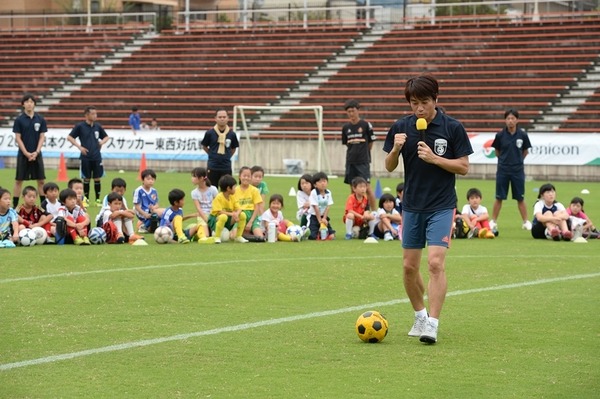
{"x": 62, "y": 169}
{"x": 142, "y": 166}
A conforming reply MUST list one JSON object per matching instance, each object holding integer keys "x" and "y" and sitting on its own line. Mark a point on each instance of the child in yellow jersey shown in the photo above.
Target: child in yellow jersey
{"x": 226, "y": 211}
{"x": 251, "y": 203}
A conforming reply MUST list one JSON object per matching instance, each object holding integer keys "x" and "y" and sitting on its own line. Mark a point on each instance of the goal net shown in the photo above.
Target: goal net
{"x": 282, "y": 138}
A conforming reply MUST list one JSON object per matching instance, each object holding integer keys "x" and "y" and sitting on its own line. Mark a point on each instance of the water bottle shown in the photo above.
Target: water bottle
{"x": 61, "y": 231}
{"x": 272, "y": 231}
{"x": 324, "y": 231}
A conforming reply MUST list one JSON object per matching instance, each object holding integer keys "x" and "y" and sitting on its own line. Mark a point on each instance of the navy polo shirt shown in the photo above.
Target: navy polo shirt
{"x": 88, "y": 136}
{"x": 511, "y": 148}
{"x": 428, "y": 187}
{"x": 30, "y": 130}
{"x": 361, "y": 134}
{"x": 219, "y": 161}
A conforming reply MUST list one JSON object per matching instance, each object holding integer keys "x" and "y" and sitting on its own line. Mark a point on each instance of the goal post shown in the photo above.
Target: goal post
{"x": 265, "y": 115}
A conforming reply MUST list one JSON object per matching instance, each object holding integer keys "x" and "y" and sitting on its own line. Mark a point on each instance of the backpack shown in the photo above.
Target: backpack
{"x": 461, "y": 229}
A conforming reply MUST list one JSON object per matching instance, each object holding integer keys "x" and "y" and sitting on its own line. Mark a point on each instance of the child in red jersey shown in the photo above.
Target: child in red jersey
{"x": 30, "y": 215}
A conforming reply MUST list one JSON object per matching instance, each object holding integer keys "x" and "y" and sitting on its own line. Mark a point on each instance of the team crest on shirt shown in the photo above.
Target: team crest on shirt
{"x": 440, "y": 146}
{"x": 519, "y": 143}
{"x": 97, "y": 134}
{"x": 360, "y": 130}
{"x": 37, "y": 126}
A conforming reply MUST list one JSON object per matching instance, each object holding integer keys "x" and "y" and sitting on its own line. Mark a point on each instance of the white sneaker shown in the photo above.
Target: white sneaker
{"x": 429, "y": 335}
{"x": 217, "y": 240}
{"x": 527, "y": 225}
{"x": 418, "y": 328}
{"x": 493, "y": 225}
{"x": 388, "y": 236}
{"x": 241, "y": 240}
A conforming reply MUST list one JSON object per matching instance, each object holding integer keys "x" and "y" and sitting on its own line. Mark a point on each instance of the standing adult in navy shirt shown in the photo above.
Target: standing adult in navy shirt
{"x": 91, "y": 137}
{"x": 358, "y": 137}
{"x": 30, "y": 132}
{"x": 512, "y": 146}
{"x": 432, "y": 157}
{"x": 220, "y": 143}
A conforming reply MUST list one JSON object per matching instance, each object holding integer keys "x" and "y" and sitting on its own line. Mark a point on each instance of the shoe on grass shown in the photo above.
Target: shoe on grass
{"x": 418, "y": 327}
{"x": 526, "y": 225}
{"x": 78, "y": 241}
{"x": 429, "y": 335}
{"x": 241, "y": 240}
{"x": 183, "y": 240}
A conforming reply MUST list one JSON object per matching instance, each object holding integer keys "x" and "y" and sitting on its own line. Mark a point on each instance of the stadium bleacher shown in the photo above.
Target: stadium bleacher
{"x": 483, "y": 69}
{"x": 40, "y": 62}
{"x": 181, "y": 79}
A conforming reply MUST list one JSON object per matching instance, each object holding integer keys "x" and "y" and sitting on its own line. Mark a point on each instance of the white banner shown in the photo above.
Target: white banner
{"x": 547, "y": 149}
{"x": 176, "y": 145}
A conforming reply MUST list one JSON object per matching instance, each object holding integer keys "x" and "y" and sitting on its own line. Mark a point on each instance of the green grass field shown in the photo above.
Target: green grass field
{"x": 277, "y": 320}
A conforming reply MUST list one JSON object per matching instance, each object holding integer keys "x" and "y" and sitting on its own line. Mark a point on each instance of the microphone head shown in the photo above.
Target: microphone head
{"x": 421, "y": 124}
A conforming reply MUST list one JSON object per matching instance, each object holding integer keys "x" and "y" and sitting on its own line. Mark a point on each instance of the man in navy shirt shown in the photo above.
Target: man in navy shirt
{"x": 30, "y": 132}
{"x": 512, "y": 146}
{"x": 358, "y": 137}
{"x": 432, "y": 156}
{"x": 220, "y": 143}
{"x": 91, "y": 137}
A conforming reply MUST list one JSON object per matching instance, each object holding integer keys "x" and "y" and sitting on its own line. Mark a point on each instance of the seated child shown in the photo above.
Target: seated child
{"x": 226, "y": 211}
{"x": 118, "y": 186}
{"x": 305, "y": 186}
{"x": 203, "y": 196}
{"x": 51, "y": 203}
{"x": 76, "y": 184}
{"x": 399, "y": 195}
{"x": 258, "y": 173}
{"x": 579, "y": 221}
{"x": 321, "y": 200}
{"x": 73, "y": 217}
{"x": 145, "y": 201}
{"x": 476, "y": 216}
{"x": 386, "y": 223}
{"x": 9, "y": 221}
{"x": 30, "y": 215}
{"x": 173, "y": 218}
{"x": 274, "y": 214}
{"x": 116, "y": 221}
{"x": 550, "y": 216}
{"x": 357, "y": 211}
{"x": 251, "y": 204}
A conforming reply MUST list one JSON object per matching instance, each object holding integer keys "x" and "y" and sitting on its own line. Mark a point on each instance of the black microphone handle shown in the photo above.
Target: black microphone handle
{"x": 422, "y": 135}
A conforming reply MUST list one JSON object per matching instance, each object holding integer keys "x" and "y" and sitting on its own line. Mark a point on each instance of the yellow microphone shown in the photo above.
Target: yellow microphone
{"x": 421, "y": 127}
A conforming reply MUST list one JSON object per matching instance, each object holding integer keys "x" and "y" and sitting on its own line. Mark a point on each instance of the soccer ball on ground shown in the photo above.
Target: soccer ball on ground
{"x": 295, "y": 232}
{"x": 97, "y": 236}
{"x": 371, "y": 327}
{"x": 41, "y": 235}
{"x": 27, "y": 238}
{"x": 163, "y": 235}
{"x": 225, "y": 235}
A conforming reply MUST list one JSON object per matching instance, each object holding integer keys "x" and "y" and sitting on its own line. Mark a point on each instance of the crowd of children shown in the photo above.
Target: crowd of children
{"x": 236, "y": 211}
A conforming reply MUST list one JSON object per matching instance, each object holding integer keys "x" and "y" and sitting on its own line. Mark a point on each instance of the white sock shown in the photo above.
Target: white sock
{"x": 349, "y": 225}
{"x": 421, "y": 313}
{"x": 434, "y": 322}
{"x": 372, "y": 224}
{"x": 128, "y": 226}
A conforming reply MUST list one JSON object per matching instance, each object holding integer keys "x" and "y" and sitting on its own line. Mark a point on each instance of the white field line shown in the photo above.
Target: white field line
{"x": 241, "y": 261}
{"x": 247, "y": 326}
